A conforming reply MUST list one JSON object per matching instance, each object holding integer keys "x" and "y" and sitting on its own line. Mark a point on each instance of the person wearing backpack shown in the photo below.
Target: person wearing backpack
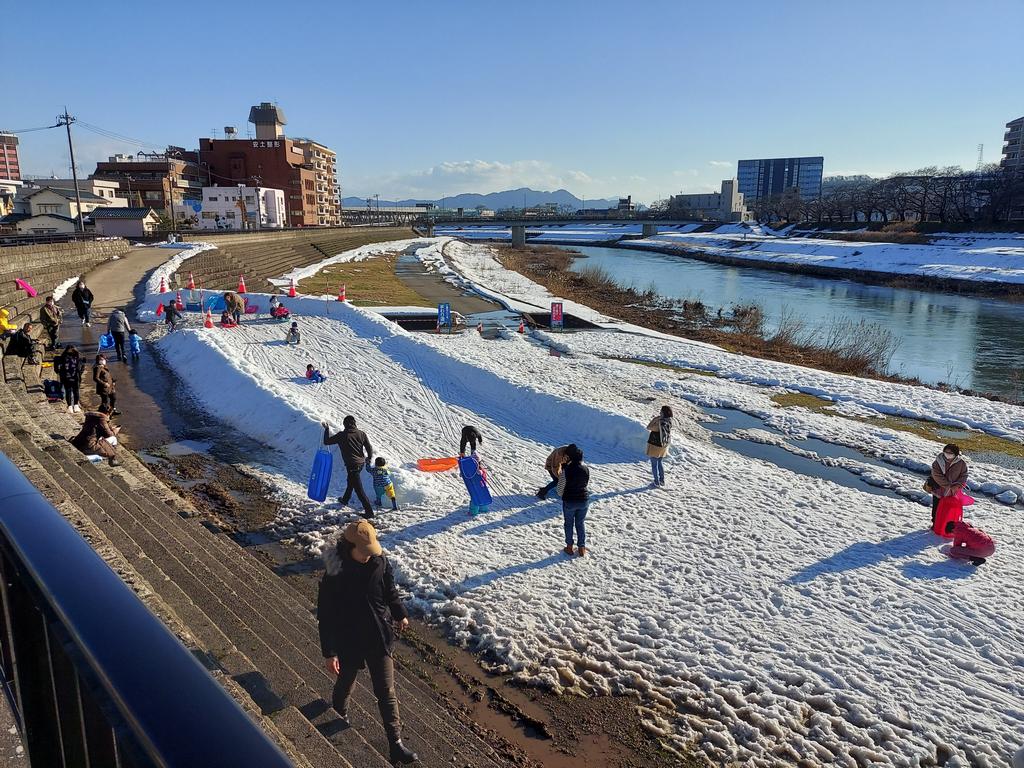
{"x": 68, "y": 367}
{"x": 660, "y": 428}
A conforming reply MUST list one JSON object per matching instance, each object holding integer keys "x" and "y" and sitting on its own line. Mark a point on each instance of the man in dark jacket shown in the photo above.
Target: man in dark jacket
{"x": 357, "y": 592}
{"x": 172, "y": 315}
{"x": 357, "y": 453}
{"x": 573, "y": 488}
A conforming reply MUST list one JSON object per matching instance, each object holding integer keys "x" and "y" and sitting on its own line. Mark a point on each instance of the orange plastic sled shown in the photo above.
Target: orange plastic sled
{"x": 437, "y": 465}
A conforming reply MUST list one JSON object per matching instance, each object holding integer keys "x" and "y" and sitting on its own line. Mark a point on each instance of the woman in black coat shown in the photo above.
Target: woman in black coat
{"x": 357, "y": 594}
{"x": 82, "y": 299}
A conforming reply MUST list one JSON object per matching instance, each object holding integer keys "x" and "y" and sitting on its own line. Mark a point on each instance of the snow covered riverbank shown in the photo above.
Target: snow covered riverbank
{"x": 970, "y": 257}
{"x": 760, "y": 614}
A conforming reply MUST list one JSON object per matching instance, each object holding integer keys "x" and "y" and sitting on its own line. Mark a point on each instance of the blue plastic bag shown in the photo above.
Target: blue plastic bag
{"x": 106, "y": 341}
{"x": 320, "y": 477}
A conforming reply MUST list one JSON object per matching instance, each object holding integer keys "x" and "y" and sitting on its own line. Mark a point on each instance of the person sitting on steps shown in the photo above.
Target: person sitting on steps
{"x": 95, "y": 437}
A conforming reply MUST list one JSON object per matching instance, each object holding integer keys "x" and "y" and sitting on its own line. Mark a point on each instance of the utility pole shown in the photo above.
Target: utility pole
{"x": 66, "y": 120}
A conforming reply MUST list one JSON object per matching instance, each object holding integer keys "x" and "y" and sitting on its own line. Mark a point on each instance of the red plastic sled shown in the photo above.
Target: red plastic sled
{"x": 949, "y": 513}
{"x": 437, "y": 465}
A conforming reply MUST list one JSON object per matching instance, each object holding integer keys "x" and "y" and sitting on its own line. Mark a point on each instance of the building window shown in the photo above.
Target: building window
{"x": 212, "y": 199}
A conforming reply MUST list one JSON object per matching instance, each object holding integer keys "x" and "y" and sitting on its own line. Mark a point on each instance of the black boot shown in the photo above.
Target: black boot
{"x": 401, "y": 754}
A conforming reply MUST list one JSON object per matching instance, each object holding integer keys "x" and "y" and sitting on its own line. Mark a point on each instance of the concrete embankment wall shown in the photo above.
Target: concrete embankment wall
{"x": 46, "y": 266}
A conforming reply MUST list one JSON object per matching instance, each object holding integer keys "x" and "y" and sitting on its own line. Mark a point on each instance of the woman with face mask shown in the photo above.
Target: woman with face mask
{"x": 949, "y": 475}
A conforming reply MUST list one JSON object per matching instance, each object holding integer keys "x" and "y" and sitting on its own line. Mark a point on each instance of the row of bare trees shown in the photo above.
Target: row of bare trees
{"x": 949, "y": 195}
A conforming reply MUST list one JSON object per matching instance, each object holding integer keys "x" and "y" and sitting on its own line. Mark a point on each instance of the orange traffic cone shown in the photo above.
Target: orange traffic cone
{"x": 241, "y": 284}
{"x": 522, "y": 326}
{"x": 178, "y": 303}
{"x": 291, "y": 290}
{"x": 341, "y": 293}
{"x": 159, "y": 309}
{"x": 163, "y": 284}
{"x": 208, "y": 323}
{"x": 191, "y": 282}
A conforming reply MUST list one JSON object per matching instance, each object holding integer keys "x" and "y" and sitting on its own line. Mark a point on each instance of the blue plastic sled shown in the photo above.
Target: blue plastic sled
{"x": 479, "y": 494}
{"x": 214, "y": 303}
{"x": 106, "y": 341}
{"x": 320, "y": 477}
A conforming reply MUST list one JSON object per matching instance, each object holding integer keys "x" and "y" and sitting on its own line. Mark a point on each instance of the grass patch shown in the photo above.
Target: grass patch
{"x": 802, "y": 400}
{"x": 368, "y": 283}
{"x": 970, "y": 442}
{"x": 662, "y": 366}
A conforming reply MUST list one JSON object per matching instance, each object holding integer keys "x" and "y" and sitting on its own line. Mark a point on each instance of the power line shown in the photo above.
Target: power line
{"x": 30, "y": 130}
{"x": 117, "y": 136}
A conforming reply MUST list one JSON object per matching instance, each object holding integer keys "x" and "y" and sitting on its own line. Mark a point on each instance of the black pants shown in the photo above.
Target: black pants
{"x": 53, "y": 331}
{"x": 119, "y": 344}
{"x": 70, "y": 391}
{"x": 110, "y": 400}
{"x": 382, "y": 675}
{"x": 354, "y": 482}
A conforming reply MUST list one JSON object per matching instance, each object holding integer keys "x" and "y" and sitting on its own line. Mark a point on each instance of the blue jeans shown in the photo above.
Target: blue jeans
{"x": 574, "y": 513}
{"x": 658, "y": 470}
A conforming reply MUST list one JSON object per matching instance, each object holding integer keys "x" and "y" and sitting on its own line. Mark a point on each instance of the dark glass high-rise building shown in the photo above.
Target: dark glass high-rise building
{"x": 764, "y": 178}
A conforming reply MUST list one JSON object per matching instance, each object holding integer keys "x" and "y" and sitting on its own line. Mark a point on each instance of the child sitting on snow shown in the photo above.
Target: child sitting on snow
{"x": 135, "y": 343}
{"x": 314, "y": 375}
{"x": 227, "y": 319}
{"x": 293, "y": 336}
{"x": 383, "y": 485}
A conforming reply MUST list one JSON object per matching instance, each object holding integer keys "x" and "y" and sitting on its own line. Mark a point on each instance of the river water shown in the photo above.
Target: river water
{"x": 973, "y": 342}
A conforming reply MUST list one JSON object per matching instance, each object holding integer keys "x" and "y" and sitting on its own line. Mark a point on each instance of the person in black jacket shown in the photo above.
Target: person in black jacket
{"x": 357, "y": 453}
{"x": 470, "y": 436}
{"x": 357, "y": 592}
{"x": 572, "y": 487}
{"x": 82, "y": 299}
{"x": 69, "y": 366}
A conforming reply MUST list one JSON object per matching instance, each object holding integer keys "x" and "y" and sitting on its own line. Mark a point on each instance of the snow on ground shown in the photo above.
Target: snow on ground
{"x": 988, "y": 257}
{"x": 146, "y": 309}
{"x": 61, "y": 290}
{"x": 762, "y": 615}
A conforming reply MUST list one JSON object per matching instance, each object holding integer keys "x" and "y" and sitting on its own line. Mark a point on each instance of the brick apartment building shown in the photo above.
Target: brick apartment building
{"x": 9, "y": 167}
{"x": 168, "y": 182}
{"x": 305, "y": 169}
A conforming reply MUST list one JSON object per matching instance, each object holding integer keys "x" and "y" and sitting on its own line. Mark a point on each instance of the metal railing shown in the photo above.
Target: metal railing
{"x": 94, "y": 678}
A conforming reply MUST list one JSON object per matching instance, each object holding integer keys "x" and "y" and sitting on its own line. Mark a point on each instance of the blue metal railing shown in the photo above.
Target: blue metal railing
{"x": 94, "y": 677}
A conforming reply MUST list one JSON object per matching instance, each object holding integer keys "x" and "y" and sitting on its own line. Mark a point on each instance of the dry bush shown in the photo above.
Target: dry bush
{"x": 790, "y": 331}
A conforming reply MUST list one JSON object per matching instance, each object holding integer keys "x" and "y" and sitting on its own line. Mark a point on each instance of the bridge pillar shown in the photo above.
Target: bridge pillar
{"x": 650, "y": 229}
{"x": 518, "y": 235}
{"x": 430, "y": 229}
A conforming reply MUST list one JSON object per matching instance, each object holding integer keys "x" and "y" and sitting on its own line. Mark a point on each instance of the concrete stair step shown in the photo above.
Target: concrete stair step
{"x": 278, "y": 624}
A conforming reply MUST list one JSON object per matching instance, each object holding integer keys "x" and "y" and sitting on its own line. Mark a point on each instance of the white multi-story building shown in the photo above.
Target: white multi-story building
{"x": 240, "y": 208}
{"x": 726, "y": 205}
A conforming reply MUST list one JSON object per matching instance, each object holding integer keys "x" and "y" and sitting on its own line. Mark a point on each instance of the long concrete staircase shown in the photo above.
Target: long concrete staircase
{"x": 260, "y": 256}
{"x": 252, "y": 630}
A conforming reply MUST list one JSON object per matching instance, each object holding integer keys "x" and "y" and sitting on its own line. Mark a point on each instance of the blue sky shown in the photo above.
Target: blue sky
{"x": 602, "y": 98}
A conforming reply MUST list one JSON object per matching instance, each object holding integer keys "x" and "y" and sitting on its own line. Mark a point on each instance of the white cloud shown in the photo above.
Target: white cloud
{"x": 720, "y": 163}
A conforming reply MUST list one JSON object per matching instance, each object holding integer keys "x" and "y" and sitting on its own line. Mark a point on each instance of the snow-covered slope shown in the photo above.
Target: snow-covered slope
{"x": 779, "y": 615}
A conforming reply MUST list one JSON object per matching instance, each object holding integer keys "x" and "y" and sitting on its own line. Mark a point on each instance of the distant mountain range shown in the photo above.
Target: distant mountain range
{"x": 511, "y": 198}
